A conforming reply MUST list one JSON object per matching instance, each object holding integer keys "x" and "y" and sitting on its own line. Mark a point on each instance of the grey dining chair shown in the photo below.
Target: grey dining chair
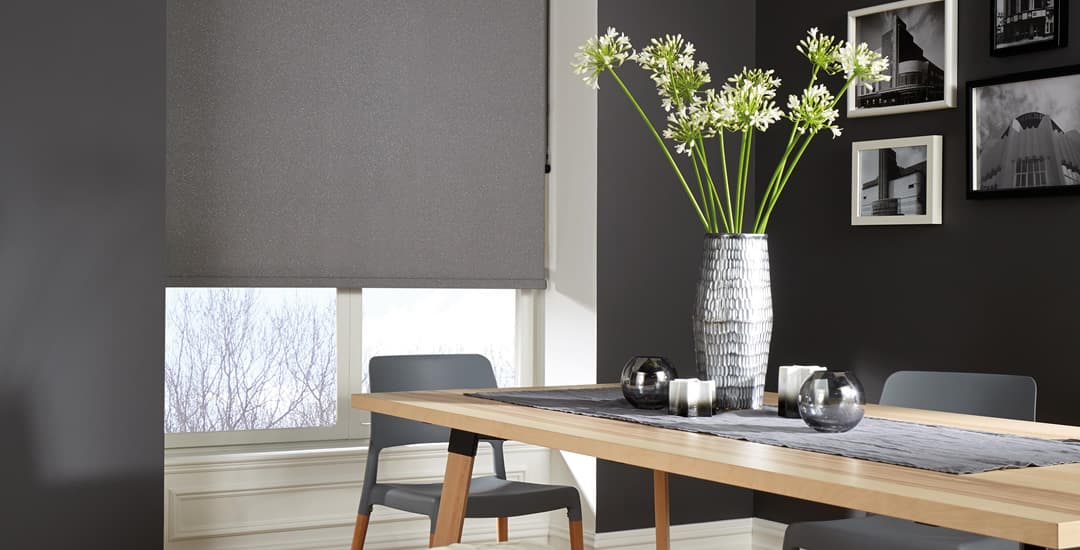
{"x": 997, "y": 395}
{"x": 489, "y": 496}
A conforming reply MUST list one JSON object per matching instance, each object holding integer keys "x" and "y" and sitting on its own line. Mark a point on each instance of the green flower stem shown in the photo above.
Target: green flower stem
{"x": 701, "y": 188}
{"x": 663, "y": 147}
{"x": 744, "y": 175}
{"x": 783, "y": 182}
{"x": 727, "y": 189}
{"x": 765, "y": 197}
{"x": 775, "y": 177}
{"x": 738, "y": 179}
{"x": 746, "y": 181}
{"x": 843, "y": 90}
{"x": 720, "y": 208}
{"x": 716, "y": 197}
{"x": 743, "y": 161}
{"x": 712, "y": 186}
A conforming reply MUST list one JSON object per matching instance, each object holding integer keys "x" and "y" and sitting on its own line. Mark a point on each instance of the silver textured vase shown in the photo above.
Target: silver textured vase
{"x": 733, "y": 318}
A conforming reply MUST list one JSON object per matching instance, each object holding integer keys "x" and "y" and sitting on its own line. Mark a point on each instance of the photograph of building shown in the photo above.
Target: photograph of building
{"x": 893, "y": 181}
{"x": 1020, "y": 22}
{"x": 1028, "y": 134}
{"x": 913, "y": 40}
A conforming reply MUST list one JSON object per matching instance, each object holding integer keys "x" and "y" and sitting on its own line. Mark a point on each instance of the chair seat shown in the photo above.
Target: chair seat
{"x": 489, "y": 497}
{"x": 885, "y": 533}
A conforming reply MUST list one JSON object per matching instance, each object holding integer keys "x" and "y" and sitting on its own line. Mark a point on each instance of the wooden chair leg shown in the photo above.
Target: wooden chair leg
{"x": 577, "y": 535}
{"x": 359, "y": 532}
{"x": 503, "y": 530}
{"x": 431, "y": 541}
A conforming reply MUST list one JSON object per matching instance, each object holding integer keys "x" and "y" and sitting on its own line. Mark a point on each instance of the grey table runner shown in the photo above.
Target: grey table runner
{"x": 937, "y": 448}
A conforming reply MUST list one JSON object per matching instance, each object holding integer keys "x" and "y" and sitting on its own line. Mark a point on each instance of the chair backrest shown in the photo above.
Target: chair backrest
{"x": 422, "y": 372}
{"x": 997, "y": 395}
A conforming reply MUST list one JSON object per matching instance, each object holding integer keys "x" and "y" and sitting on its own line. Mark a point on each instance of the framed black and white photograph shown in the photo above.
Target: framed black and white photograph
{"x": 1022, "y": 26}
{"x": 1024, "y": 134}
{"x": 919, "y": 38}
{"x": 896, "y": 181}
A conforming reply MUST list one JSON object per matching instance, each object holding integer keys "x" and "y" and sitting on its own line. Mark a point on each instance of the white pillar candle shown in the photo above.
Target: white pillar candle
{"x": 789, "y": 382}
{"x": 691, "y": 397}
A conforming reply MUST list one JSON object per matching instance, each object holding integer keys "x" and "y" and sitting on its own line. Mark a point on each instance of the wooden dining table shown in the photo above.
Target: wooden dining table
{"x": 1037, "y": 505}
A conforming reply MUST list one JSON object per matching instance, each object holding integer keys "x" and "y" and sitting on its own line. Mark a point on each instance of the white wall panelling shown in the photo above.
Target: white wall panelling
{"x": 307, "y": 499}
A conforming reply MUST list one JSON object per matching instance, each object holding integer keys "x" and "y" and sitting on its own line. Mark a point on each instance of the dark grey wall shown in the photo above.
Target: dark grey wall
{"x": 649, "y": 242}
{"x": 81, "y": 249}
{"x": 993, "y": 289}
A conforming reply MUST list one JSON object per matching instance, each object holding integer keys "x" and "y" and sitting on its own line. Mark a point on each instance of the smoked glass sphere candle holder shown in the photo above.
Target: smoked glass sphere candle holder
{"x": 831, "y": 401}
{"x": 645, "y": 381}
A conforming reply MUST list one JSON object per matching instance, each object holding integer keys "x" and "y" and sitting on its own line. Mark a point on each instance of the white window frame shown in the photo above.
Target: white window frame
{"x": 353, "y": 425}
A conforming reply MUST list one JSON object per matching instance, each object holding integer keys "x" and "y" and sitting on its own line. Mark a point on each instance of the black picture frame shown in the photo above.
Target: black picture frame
{"x": 1060, "y": 13}
{"x": 1020, "y": 122}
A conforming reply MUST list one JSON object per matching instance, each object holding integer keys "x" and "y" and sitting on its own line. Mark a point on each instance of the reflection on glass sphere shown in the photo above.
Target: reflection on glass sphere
{"x": 645, "y": 381}
{"x": 831, "y": 401}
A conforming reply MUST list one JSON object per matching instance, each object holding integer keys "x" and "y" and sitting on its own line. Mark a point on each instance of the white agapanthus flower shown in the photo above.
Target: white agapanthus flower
{"x": 744, "y": 103}
{"x": 601, "y": 53}
{"x": 820, "y": 49}
{"x": 749, "y": 96}
{"x": 686, "y": 126}
{"x": 718, "y": 113}
{"x": 671, "y": 66}
{"x": 813, "y": 110}
{"x": 861, "y": 62}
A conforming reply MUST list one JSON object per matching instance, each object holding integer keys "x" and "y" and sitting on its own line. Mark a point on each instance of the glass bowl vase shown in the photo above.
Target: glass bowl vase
{"x": 645, "y": 381}
{"x": 831, "y": 401}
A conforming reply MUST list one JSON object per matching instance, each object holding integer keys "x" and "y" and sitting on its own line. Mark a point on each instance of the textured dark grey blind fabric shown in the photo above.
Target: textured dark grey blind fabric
{"x": 356, "y": 143}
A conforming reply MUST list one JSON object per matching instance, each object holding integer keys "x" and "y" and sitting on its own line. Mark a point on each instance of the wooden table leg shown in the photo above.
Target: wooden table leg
{"x": 660, "y": 508}
{"x": 455, "y": 492}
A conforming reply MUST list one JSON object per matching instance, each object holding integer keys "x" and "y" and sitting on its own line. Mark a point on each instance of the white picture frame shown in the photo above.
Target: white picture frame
{"x": 901, "y": 98}
{"x": 909, "y": 187}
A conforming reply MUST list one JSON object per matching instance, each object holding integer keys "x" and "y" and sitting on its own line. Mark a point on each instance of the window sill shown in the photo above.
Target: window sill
{"x": 263, "y": 452}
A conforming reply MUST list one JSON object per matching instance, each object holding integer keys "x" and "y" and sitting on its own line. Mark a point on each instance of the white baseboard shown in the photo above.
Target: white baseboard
{"x": 768, "y": 535}
{"x": 400, "y": 536}
{"x": 736, "y": 534}
{"x": 732, "y": 534}
{"x": 559, "y": 536}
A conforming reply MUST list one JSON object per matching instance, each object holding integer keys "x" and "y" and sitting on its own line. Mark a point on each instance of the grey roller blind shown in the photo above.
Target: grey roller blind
{"x": 351, "y": 143}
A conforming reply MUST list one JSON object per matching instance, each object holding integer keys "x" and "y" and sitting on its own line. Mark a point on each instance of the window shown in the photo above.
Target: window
{"x": 250, "y": 359}
{"x": 913, "y": 78}
{"x": 419, "y": 321}
{"x": 1030, "y": 172}
{"x": 246, "y": 365}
